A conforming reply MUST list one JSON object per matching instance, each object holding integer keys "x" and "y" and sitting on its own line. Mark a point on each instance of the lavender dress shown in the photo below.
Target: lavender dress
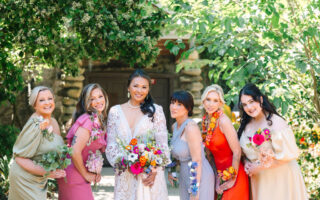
{"x": 180, "y": 151}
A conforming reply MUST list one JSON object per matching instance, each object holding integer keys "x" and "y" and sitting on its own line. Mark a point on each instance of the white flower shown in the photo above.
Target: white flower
{"x": 132, "y": 157}
{"x": 141, "y": 147}
{"x": 159, "y": 160}
{"x": 50, "y": 129}
{"x": 85, "y": 18}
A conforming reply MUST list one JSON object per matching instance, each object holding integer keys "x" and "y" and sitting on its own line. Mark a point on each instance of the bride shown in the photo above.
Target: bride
{"x": 131, "y": 119}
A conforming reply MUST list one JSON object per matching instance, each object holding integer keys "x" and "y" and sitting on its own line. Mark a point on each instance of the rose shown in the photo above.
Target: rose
{"x": 136, "y": 168}
{"x": 258, "y": 139}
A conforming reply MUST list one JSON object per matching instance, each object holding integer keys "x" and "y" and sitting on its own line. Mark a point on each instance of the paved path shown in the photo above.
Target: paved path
{"x": 104, "y": 190}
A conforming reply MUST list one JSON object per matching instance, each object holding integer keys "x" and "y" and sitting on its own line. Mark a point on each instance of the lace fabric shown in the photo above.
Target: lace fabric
{"x": 126, "y": 183}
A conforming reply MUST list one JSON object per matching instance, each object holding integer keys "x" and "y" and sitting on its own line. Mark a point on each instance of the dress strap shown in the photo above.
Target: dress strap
{"x": 183, "y": 125}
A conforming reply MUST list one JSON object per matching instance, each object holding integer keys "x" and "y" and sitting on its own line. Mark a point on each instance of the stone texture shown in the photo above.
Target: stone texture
{"x": 192, "y": 72}
{"x": 190, "y": 78}
{"x": 69, "y": 110}
{"x": 69, "y": 102}
{"x": 73, "y": 93}
{"x": 77, "y": 78}
{"x": 73, "y": 84}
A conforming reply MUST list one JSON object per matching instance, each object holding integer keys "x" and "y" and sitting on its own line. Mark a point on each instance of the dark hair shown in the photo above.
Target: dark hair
{"x": 84, "y": 103}
{"x": 147, "y": 106}
{"x": 184, "y": 98}
{"x": 267, "y": 107}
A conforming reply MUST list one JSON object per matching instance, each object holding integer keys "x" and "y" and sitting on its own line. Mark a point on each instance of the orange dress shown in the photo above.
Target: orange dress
{"x": 219, "y": 147}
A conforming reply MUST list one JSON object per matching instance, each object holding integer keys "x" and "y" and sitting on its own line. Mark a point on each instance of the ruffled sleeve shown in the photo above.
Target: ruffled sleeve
{"x": 161, "y": 133}
{"x": 113, "y": 150}
{"x": 28, "y": 140}
{"x": 83, "y": 121}
{"x": 283, "y": 142}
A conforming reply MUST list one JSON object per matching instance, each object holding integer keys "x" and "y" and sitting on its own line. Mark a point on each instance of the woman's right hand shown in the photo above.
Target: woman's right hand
{"x": 171, "y": 179}
{"x": 59, "y": 173}
{"x": 90, "y": 177}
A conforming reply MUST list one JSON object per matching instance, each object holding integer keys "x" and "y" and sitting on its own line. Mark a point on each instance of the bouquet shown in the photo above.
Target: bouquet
{"x": 141, "y": 155}
{"x": 54, "y": 160}
{"x": 261, "y": 142}
{"x": 94, "y": 163}
{"x": 227, "y": 174}
{"x": 46, "y": 130}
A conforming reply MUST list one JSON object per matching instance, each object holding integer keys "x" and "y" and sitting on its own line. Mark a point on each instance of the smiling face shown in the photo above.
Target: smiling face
{"x": 251, "y": 107}
{"x": 212, "y": 102}
{"x": 97, "y": 99}
{"x": 139, "y": 89}
{"x": 177, "y": 110}
{"x": 44, "y": 105}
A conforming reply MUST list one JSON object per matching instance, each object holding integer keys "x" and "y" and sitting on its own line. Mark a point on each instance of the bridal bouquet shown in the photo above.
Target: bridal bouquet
{"x": 141, "y": 155}
{"x": 261, "y": 142}
{"x": 94, "y": 163}
{"x": 54, "y": 160}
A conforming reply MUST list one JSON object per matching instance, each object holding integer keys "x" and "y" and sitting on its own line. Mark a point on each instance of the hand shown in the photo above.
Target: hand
{"x": 251, "y": 168}
{"x": 171, "y": 179}
{"x": 149, "y": 181}
{"x": 226, "y": 185}
{"x": 98, "y": 178}
{"x": 90, "y": 177}
{"x": 59, "y": 173}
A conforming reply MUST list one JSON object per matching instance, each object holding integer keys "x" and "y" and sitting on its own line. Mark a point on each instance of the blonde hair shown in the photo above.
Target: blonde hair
{"x": 212, "y": 88}
{"x": 35, "y": 92}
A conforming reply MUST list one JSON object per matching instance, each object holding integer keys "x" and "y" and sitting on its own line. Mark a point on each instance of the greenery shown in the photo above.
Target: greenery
{"x": 274, "y": 44}
{"x": 8, "y": 135}
{"x": 39, "y": 34}
{"x": 4, "y": 177}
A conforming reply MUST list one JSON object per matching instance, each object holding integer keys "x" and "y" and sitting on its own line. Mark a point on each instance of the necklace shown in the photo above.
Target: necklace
{"x": 132, "y": 106}
{"x": 207, "y": 133}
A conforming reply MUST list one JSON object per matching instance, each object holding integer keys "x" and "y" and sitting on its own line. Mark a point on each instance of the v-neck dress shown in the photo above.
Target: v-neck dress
{"x": 118, "y": 127}
{"x": 180, "y": 150}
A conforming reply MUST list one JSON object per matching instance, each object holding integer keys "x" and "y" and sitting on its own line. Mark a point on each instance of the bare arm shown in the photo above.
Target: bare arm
{"x": 78, "y": 144}
{"x": 194, "y": 140}
{"x": 55, "y": 126}
{"x": 231, "y": 135}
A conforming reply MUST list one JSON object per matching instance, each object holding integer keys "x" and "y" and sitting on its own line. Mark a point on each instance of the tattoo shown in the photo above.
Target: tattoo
{"x": 74, "y": 140}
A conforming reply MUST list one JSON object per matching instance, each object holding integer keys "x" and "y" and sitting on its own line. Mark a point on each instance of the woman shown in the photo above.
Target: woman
{"x": 86, "y": 136}
{"x": 187, "y": 146}
{"x": 132, "y": 119}
{"x": 27, "y": 179}
{"x": 272, "y": 167}
{"x": 221, "y": 139}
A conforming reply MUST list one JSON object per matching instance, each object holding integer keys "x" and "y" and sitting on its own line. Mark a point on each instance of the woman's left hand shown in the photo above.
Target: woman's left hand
{"x": 149, "y": 181}
{"x": 252, "y": 168}
{"x": 227, "y": 185}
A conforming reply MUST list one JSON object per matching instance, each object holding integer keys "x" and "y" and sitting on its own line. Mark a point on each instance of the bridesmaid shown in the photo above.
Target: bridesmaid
{"x": 281, "y": 167}
{"x": 187, "y": 146}
{"x": 86, "y": 135}
{"x": 221, "y": 140}
{"x": 27, "y": 179}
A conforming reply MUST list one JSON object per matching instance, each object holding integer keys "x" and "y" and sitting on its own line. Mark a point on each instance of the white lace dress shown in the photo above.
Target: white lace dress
{"x": 126, "y": 184}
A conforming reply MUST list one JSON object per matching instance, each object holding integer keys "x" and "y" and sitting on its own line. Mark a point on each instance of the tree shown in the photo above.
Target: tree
{"x": 38, "y": 34}
{"x": 274, "y": 44}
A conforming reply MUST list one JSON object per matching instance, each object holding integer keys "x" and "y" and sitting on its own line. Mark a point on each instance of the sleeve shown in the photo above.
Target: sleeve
{"x": 28, "y": 140}
{"x": 112, "y": 150}
{"x": 161, "y": 133}
{"x": 283, "y": 142}
{"x": 85, "y": 122}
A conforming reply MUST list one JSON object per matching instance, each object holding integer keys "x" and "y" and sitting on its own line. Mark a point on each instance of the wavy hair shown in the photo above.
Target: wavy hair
{"x": 84, "y": 104}
{"x": 268, "y": 108}
{"x": 147, "y": 107}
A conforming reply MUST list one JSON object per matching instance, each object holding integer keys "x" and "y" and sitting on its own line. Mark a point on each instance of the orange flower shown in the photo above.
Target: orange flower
{"x": 153, "y": 163}
{"x": 215, "y": 115}
{"x": 302, "y": 140}
{"x": 143, "y": 161}
{"x": 134, "y": 141}
{"x": 232, "y": 170}
{"x": 128, "y": 148}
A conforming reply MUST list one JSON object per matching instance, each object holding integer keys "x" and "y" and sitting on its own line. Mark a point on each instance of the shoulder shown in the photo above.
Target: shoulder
{"x": 54, "y": 121}
{"x": 158, "y": 107}
{"x": 278, "y": 122}
{"x": 192, "y": 126}
{"x": 114, "y": 109}
{"x": 224, "y": 120}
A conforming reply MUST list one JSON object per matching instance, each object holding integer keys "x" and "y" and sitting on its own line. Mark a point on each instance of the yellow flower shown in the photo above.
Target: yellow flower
{"x": 153, "y": 163}
{"x": 259, "y": 130}
{"x": 212, "y": 125}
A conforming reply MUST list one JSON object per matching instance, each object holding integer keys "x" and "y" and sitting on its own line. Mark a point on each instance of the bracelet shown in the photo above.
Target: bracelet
{"x": 194, "y": 184}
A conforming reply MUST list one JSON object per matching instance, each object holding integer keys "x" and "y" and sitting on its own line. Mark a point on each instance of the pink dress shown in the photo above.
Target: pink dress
{"x": 77, "y": 187}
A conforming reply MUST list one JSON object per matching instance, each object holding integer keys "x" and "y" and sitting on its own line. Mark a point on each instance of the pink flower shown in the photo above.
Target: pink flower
{"x": 136, "y": 150}
{"x": 158, "y": 152}
{"x": 258, "y": 139}
{"x": 136, "y": 168}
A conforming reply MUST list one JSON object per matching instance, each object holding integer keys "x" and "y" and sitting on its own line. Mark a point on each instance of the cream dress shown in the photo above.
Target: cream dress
{"x": 30, "y": 144}
{"x": 284, "y": 182}
{"x": 126, "y": 185}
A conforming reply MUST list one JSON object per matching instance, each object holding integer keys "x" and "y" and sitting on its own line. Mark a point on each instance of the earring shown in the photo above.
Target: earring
{"x": 128, "y": 95}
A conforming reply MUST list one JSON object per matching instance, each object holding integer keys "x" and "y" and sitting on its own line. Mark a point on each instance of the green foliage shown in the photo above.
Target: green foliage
{"x": 8, "y": 135}
{"x": 4, "y": 177}
{"x": 39, "y": 34}
{"x": 274, "y": 44}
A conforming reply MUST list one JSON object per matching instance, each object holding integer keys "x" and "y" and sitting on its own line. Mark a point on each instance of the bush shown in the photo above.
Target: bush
{"x": 8, "y": 135}
{"x": 4, "y": 177}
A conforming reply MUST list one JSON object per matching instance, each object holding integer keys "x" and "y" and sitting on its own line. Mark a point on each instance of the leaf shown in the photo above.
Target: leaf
{"x": 275, "y": 20}
{"x": 227, "y": 24}
{"x": 301, "y": 66}
{"x": 284, "y": 107}
{"x": 202, "y": 27}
